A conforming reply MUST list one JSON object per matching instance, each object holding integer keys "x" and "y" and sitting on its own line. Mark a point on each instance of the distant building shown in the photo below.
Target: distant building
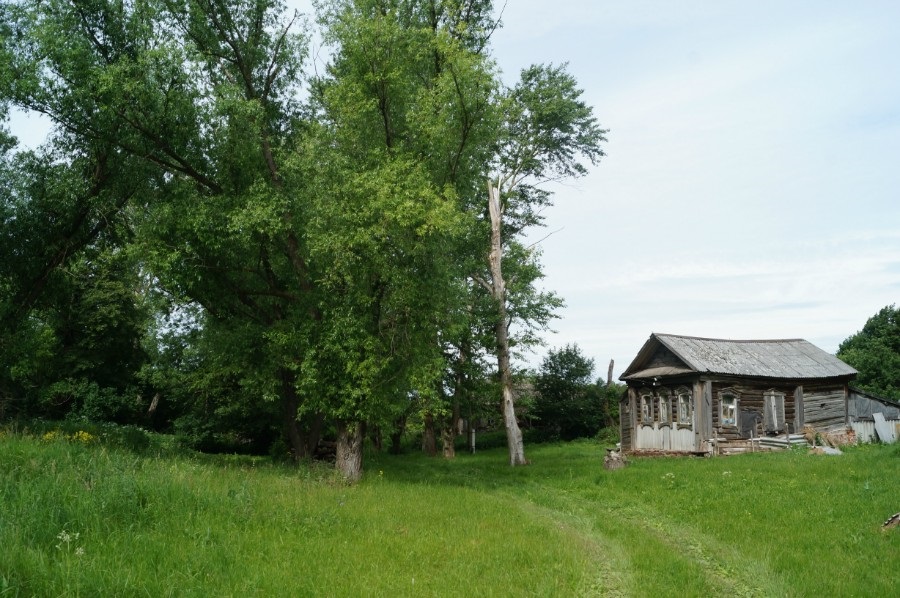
{"x": 688, "y": 394}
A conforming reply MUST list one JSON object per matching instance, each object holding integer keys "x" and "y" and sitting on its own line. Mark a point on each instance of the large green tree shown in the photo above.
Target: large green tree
{"x": 403, "y": 114}
{"x": 564, "y": 407}
{"x": 875, "y": 352}
{"x": 183, "y": 111}
{"x": 326, "y": 230}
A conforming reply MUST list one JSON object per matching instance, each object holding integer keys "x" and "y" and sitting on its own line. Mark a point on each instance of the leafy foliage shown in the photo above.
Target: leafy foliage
{"x": 568, "y": 404}
{"x": 875, "y": 352}
{"x": 219, "y": 239}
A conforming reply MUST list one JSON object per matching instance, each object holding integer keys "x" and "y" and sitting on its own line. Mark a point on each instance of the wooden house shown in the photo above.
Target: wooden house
{"x": 688, "y": 394}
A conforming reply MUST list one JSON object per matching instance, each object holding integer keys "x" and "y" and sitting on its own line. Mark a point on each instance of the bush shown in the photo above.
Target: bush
{"x": 566, "y": 406}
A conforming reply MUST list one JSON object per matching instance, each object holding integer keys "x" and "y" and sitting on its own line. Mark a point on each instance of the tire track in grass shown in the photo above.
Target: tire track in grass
{"x": 610, "y": 566}
{"x": 724, "y": 568}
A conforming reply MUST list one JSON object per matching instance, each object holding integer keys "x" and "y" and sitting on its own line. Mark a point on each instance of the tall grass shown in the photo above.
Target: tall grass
{"x": 787, "y": 524}
{"x": 239, "y": 527}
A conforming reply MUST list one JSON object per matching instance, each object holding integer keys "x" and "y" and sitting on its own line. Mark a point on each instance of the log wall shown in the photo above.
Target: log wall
{"x": 821, "y": 405}
{"x": 751, "y": 404}
{"x": 825, "y": 406}
{"x": 626, "y": 419}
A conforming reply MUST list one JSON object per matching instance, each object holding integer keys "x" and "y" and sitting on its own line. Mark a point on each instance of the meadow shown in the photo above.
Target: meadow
{"x": 82, "y": 516}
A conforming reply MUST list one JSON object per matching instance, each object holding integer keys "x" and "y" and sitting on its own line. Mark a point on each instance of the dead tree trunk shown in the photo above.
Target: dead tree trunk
{"x": 501, "y": 331}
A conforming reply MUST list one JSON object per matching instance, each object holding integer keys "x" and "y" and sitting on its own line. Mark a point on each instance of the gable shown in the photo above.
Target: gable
{"x": 655, "y": 359}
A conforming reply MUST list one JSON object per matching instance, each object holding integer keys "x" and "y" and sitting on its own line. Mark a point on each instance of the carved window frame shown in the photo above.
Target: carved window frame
{"x": 684, "y": 407}
{"x": 734, "y": 399}
{"x": 664, "y": 407}
{"x": 646, "y": 409}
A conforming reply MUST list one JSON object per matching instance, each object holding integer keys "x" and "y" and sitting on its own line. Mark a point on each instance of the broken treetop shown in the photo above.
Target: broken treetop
{"x": 669, "y": 354}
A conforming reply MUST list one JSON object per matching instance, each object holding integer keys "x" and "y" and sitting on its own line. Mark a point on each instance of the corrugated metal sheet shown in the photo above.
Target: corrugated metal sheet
{"x": 865, "y": 431}
{"x": 788, "y": 358}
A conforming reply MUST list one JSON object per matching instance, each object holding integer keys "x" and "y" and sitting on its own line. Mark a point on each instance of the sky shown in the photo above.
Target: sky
{"x": 750, "y": 184}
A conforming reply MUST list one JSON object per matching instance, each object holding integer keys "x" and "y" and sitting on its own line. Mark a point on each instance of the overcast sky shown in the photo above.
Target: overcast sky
{"x": 750, "y": 187}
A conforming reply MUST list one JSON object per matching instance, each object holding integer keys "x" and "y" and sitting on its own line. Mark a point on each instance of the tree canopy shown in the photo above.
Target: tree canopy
{"x": 222, "y": 227}
{"x": 875, "y": 353}
{"x": 568, "y": 402}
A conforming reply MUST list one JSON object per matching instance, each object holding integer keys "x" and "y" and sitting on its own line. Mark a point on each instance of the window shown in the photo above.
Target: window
{"x": 685, "y": 411}
{"x": 773, "y": 411}
{"x": 647, "y": 409}
{"x": 728, "y": 408}
{"x": 665, "y": 407}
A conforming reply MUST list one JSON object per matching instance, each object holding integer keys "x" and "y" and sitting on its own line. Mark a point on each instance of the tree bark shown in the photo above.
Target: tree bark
{"x": 501, "y": 331}
{"x": 448, "y": 433}
{"x": 448, "y": 438}
{"x": 349, "y": 450}
{"x": 459, "y": 392}
{"x": 429, "y": 443}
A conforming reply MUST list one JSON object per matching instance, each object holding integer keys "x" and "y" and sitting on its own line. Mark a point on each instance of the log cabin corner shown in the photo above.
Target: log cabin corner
{"x": 700, "y": 395}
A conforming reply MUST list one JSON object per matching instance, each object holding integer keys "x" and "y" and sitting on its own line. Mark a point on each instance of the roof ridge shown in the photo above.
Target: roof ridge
{"x": 730, "y": 340}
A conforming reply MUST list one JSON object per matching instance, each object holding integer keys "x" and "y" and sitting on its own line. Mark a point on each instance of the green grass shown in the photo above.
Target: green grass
{"x": 787, "y": 524}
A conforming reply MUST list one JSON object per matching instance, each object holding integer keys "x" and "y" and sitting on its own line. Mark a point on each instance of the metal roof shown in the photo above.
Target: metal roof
{"x": 785, "y": 358}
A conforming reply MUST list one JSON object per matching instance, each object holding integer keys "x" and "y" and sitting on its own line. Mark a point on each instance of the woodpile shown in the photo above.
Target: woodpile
{"x": 833, "y": 438}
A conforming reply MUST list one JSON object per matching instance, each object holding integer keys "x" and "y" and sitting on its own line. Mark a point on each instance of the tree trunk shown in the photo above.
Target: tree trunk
{"x": 377, "y": 438}
{"x": 290, "y": 402}
{"x": 448, "y": 434}
{"x": 397, "y": 435}
{"x": 315, "y": 434}
{"x": 429, "y": 443}
{"x": 607, "y": 397}
{"x": 448, "y": 438}
{"x": 501, "y": 330}
{"x": 349, "y": 451}
{"x": 451, "y": 431}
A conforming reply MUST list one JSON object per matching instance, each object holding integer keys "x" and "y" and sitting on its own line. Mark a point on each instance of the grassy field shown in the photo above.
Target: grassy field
{"x": 78, "y": 517}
